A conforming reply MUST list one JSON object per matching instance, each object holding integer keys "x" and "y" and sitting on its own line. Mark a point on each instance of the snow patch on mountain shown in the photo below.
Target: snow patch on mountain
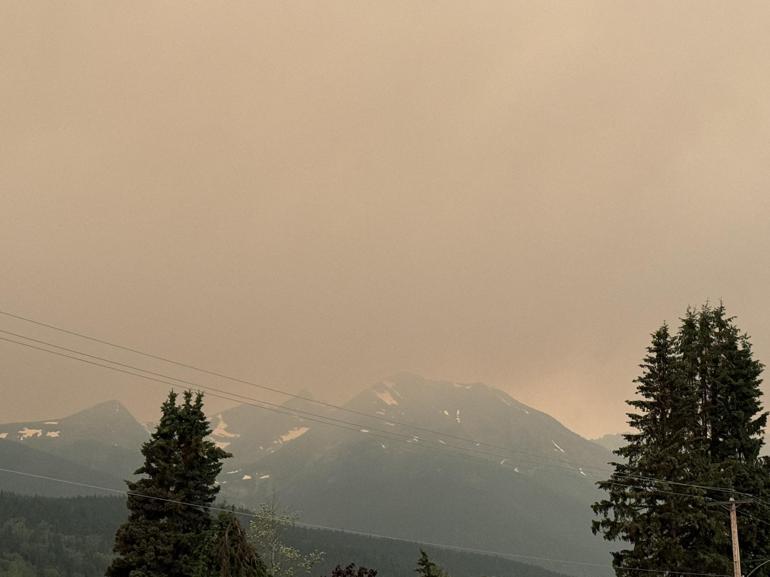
{"x": 292, "y": 434}
{"x": 3, "y": 435}
{"x": 391, "y": 386}
{"x": 27, "y": 433}
{"x": 558, "y": 448}
{"x": 457, "y": 414}
{"x": 386, "y": 397}
{"x": 221, "y": 430}
{"x": 53, "y": 434}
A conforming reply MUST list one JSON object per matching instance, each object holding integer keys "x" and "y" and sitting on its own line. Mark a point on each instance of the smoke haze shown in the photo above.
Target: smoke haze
{"x": 317, "y": 195}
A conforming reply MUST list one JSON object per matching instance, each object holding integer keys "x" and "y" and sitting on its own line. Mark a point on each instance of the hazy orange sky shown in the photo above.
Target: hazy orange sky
{"x": 318, "y": 194}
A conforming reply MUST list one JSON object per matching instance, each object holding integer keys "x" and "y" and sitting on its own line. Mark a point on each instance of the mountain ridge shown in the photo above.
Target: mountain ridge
{"x": 464, "y": 464}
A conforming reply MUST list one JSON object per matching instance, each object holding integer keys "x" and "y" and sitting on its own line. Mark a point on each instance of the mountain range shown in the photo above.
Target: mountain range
{"x": 97, "y": 446}
{"x": 458, "y": 464}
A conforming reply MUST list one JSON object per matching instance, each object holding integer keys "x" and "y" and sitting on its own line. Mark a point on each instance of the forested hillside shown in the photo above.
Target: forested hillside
{"x": 73, "y": 537}
{"x": 50, "y": 537}
{"x": 481, "y": 470}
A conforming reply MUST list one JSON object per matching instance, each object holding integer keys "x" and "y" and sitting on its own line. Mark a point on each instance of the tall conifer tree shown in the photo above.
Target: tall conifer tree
{"x": 697, "y": 420}
{"x": 168, "y": 515}
{"x": 665, "y": 425}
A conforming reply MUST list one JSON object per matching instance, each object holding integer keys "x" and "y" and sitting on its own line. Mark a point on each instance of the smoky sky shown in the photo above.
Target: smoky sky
{"x": 315, "y": 195}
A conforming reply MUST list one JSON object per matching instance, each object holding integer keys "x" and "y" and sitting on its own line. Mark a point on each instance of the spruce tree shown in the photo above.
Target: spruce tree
{"x": 736, "y": 424}
{"x": 226, "y": 551}
{"x": 427, "y": 568}
{"x": 697, "y": 420}
{"x": 168, "y": 514}
{"x": 665, "y": 425}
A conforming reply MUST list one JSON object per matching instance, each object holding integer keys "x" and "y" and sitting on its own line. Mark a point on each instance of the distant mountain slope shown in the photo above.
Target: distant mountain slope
{"x": 431, "y": 461}
{"x": 20, "y": 457}
{"x": 105, "y": 438}
{"x": 251, "y": 432}
{"x": 527, "y": 488}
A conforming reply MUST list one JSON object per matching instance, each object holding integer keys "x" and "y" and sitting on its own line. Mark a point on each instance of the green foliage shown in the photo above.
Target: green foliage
{"x": 427, "y": 568}
{"x": 167, "y": 507}
{"x": 55, "y": 537}
{"x": 266, "y": 532}
{"x": 697, "y": 420}
{"x": 228, "y": 553}
{"x": 88, "y": 525}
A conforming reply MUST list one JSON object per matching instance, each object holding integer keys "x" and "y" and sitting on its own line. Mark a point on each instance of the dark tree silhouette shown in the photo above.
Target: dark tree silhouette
{"x": 353, "y": 571}
{"x": 168, "y": 507}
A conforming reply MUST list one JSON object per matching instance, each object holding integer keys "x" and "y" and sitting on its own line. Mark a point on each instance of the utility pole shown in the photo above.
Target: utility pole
{"x": 734, "y": 532}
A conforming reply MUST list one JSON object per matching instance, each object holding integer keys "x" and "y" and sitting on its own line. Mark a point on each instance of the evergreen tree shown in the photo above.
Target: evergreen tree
{"x": 168, "y": 513}
{"x": 228, "y": 553}
{"x": 427, "y": 568}
{"x": 661, "y": 448}
{"x": 697, "y": 420}
{"x": 736, "y": 418}
{"x": 736, "y": 424}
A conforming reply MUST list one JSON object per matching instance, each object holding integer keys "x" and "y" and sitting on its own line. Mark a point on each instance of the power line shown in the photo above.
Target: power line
{"x": 326, "y": 419}
{"x": 272, "y": 389}
{"x": 213, "y": 392}
{"x": 333, "y": 421}
{"x": 270, "y": 408}
{"x": 244, "y": 381}
{"x": 218, "y": 394}
{"x": 353, "y": 426}
{"x": 256, "y": 403}
{"x": 299, "y": 397}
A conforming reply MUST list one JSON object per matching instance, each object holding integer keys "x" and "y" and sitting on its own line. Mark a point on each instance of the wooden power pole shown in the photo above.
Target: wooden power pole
{"x": 734, "y": 533}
